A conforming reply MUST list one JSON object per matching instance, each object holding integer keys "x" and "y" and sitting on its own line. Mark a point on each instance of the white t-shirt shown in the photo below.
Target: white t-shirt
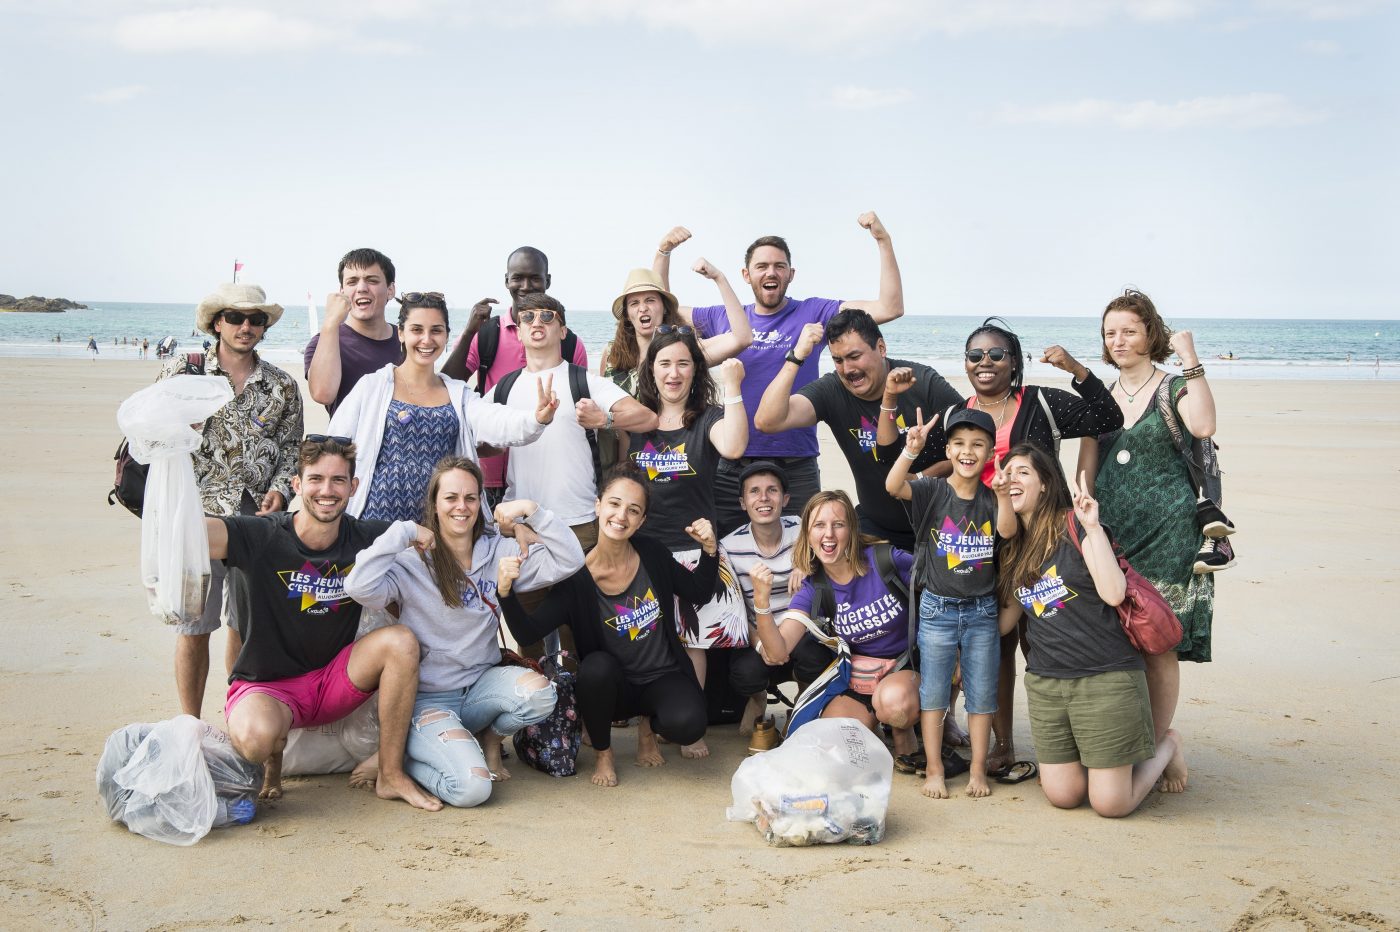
{"x": 557, "y": 469}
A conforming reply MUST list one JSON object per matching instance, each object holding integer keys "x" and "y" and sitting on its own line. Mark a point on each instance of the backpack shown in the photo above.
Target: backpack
{"x": 488, "y": 341}
{"x": 1199, "y": 454}
{"x": 129, "y": 488}
{"x": 551, "y": 746}
{"x": 824, "y": 598}
{"x": 578, "y": 386}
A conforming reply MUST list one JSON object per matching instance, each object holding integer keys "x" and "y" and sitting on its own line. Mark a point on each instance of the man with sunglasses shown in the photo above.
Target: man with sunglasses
{"x": 492, "y": 347}
{"x": 777, "y": 322}
{"x": 244, "y": 465}
{"x": 866, "y": 390}
{"x": 355, "y": 337}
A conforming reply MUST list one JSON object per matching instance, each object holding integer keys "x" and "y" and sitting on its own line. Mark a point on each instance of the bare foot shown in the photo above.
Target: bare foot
{"x": 1174, "y": 775}
{"x": 756, "y": 708}
{"x": 1003, "y": 755}
{"x": 401, "y": 786}
{"x": 694, "y": 751}
{"x": 272, "y": 778}
{"x": 648, "y": 754}
{"x": 604, "y": 773}
{"x": 977, "y": 785}
{"x": 364, "y": 776}
{"x": 934, "y": 787}
{"x": 953, "y": 735}
{"x": 491, "y": 750}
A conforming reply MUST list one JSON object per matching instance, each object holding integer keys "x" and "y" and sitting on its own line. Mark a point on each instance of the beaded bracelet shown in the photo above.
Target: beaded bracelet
{"x": 1195, "y": 372}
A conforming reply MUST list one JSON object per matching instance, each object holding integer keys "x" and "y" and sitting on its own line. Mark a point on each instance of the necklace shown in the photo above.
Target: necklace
{"x": 1135, "y": 392}
{"x": 1001, "y": 417}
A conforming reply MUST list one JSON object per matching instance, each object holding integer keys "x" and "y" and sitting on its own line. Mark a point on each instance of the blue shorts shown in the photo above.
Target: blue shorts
{"x": 954, "y": 629}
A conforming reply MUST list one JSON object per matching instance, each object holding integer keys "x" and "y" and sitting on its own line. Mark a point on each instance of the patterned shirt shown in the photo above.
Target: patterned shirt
{"x": 250, "y": 444}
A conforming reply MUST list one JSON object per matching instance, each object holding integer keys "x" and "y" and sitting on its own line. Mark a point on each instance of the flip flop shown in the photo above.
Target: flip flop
{"x": 915, "y": 763}
{"x": 1019, "y": 772}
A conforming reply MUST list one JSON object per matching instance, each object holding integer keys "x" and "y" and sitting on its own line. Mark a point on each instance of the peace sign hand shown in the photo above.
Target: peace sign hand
{"x": 916, "y": 436}
{"x": 547, "y": 402}
{"x": 1000, "y": 476}
{"x": 1086, "y": 508}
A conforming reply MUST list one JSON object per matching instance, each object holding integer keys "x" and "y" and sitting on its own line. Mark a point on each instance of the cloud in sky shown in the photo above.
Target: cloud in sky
{"x": 1326, "y": 10}
{"x": 853, "y": 97}
{"x": 1322, "y": 47}
{"x": 117, "y": 95}
{"x": 238, "y": 30}
{"x": 1240, "y": 111}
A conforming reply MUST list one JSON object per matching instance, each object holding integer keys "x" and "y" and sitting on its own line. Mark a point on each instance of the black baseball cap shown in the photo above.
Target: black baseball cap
{"x": 971, "y": 417}
{"x": 766, "y": 466}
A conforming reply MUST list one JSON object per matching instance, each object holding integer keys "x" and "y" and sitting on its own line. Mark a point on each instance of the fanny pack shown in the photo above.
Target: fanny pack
{"x": 867, "y": 672}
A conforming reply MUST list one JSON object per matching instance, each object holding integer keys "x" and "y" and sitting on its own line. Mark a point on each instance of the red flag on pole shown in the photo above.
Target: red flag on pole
{"x": 238, "y": 266}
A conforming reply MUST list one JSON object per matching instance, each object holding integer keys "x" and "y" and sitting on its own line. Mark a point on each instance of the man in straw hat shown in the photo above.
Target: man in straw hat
{"x": 777, "y": 322}
{"x": 245, "y": 464}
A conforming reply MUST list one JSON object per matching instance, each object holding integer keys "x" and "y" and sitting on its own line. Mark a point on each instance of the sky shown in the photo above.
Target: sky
{"x": 1027, "y": 156}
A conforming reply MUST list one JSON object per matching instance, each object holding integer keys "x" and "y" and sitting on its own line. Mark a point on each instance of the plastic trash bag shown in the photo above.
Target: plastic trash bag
{"x": 174, "y": 546}
{"x": 337, "y": 747}
{"x": 829, "y": 782}
{"x": 173, "y": 781}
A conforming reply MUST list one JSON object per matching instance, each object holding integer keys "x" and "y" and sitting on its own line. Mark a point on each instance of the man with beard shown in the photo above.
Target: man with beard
{"x": 244, "y": 464}
{"x": 493, "y": 348}
{"x": 355, "y": 339}
{"x": 777, "y": 322}
{"x": 300, "y": 665}
{"x": 851, "y": 401}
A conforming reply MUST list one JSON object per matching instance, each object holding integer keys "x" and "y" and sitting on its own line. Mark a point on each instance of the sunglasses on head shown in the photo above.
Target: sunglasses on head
{"x": 997, "y": 354}
{"x": 546, "y": 317}
{"x": 681, "y": 329}
{"x": 424, "y": 298}
{"x": 327, "y": 438}
{"x": 256, "y": 318}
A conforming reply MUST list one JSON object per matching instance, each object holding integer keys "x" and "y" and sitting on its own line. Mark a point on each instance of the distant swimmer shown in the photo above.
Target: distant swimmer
{"x": 1229, "y": 355}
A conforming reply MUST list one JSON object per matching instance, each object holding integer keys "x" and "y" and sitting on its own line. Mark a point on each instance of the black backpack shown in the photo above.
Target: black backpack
{"x": 488, "y": 341}
{"x": 129, "y": 490}
{"x": 578, "y": 386}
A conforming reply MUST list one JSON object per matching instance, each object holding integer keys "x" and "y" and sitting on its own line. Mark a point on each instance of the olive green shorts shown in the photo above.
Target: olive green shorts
{"x": 1100, "y": 721}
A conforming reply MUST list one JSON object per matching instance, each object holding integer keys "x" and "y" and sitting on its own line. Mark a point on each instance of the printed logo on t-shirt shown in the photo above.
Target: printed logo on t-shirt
{"x": 869, "y": 621}
{"x": 638, "y": 621}
{"x": 770, "y": 340}
{"x": 865, "y": 433}
{"x": 1047, "y": 596}
{"x": 320, "y": 590}
{"x": 664, "y": 464}
{"x": 968, "y": 548}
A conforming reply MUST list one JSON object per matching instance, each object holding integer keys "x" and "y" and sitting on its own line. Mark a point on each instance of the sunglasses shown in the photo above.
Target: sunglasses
{"x": 681, "y": 329}
{"x": 256, "y": 318}
{"x": 528, "y": 317}
{"x": 997, "y": 354}
{"x": 424, "y": 299}
{"x": 327, "y": 438}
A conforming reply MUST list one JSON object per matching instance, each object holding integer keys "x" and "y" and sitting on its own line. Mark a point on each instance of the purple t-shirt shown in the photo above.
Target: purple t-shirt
{"x": 869, "y": 617}
{"x": 359, "y": 356}
{"x": 773, "y": 336}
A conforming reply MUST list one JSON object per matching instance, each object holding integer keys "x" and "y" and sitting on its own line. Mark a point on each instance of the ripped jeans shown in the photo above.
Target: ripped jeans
{"x": 450, "y": 765}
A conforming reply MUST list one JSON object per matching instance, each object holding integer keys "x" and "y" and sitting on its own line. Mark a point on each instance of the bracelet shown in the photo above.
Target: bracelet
{"x": 663, "y": 252}
{"x": 905, "y": 453}
{"x": 883, "y": 408}
{"x": 734, "y": 400}
{"x": 1197, "y": 371}
{"x": 762, "y": 611}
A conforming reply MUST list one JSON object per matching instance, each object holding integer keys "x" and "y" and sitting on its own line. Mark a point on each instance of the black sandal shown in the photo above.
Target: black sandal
{"x": 1019, "y": 772}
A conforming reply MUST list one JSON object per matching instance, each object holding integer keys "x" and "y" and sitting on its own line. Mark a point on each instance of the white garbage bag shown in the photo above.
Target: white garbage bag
{"x": 167, "y": 793}
{"x": 337, "y": 747}
{"x": 828, "y": 782}
{"x": 174, "y": 546}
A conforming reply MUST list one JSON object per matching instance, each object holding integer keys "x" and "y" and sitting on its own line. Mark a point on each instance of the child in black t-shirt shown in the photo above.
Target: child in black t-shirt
{"x": 956, "y": 522}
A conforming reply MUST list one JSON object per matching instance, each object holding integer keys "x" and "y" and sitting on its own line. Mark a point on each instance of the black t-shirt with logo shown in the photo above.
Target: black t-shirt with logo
{"x": 632, "y": 630}
{"x": 956, "y": 538}
{"x": 1072, "y": 632}
{"x": 854, "y": 421}
{"x": 679, "y": 466}
{"x": 299, "y": 616}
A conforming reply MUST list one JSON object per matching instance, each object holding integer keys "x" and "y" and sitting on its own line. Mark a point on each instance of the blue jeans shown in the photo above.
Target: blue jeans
{"x": 948, "y": 628}
{"x": 452, "y": 767}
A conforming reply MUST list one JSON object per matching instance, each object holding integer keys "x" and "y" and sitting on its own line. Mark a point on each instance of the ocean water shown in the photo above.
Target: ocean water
{"x": 1263, "y": 349}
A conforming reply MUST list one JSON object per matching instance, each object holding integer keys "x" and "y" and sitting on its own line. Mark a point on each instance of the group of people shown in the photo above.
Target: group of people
{"x": 667, "y": 503}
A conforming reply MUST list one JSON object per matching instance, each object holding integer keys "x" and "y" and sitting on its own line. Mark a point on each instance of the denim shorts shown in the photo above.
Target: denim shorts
{"x": 953, "y": 630}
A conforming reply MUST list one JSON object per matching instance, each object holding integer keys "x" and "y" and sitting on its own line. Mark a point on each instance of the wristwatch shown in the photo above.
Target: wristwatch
{"x": 793, "y": 358}
{"x": 608, "y": 421}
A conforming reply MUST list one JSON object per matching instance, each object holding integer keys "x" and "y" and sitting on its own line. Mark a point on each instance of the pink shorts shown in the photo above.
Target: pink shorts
{"x": 316, "y": 698}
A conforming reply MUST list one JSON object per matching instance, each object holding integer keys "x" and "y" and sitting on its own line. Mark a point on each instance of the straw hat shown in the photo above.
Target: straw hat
{"x": 644, "y": 280}
{"x": 234, "y": 297}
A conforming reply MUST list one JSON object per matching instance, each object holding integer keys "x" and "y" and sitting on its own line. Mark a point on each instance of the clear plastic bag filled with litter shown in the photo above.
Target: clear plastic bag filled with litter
{"x": 829, "y": 782}
{"x": 174, "y": 546}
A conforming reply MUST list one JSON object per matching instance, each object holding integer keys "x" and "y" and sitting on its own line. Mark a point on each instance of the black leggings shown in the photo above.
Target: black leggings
{"x": 749, "y": 674}
{"x": 673, "y": 701}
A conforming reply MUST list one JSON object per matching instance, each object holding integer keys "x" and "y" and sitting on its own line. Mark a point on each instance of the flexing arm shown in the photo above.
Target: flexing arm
{"x": 630, "y": 415}
{"x": 775, "y": 641}
{"x": 323, "y": 374}
{"x": 1198, "y": 410}
{"x": 730, "y": 434}
{"x": 372, "y": 582}
{"x": 697, "y": 586}
{"x": 559, "y": 555}
{"x": 779, "y": 409}
{"x": 726, "y": 345}
{"x": 661, "y": 263}
{"x": 890, "y": 305}
{"x": 558, "y": 608}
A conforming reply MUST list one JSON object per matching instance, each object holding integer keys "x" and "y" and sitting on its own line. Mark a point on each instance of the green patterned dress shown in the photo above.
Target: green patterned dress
{"x": 1149, "y": 504}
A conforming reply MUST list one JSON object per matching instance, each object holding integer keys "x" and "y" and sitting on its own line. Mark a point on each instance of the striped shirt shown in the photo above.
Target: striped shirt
{"x": 743, "y": 553}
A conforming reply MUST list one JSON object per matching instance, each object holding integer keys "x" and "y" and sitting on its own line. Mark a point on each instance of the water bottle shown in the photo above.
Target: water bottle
{"x": 236, "y": 811}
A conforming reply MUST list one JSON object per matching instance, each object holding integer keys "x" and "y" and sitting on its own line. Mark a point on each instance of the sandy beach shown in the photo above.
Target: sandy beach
{"x": 1288, "y": 823}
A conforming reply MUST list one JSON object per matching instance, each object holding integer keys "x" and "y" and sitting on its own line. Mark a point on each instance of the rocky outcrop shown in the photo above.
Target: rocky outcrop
{"x": 36, "y": 304}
